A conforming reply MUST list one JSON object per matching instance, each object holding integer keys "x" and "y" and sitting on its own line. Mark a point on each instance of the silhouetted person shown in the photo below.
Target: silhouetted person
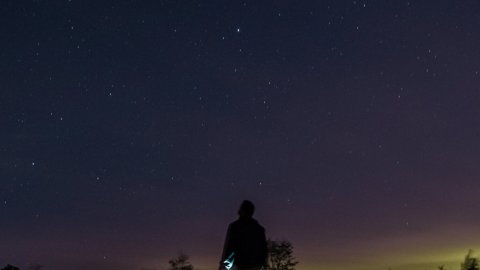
{"x": 246, "y": 239}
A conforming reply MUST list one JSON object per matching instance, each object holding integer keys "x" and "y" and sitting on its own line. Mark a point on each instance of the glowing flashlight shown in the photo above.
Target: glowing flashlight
{"x": 229, "y": 261}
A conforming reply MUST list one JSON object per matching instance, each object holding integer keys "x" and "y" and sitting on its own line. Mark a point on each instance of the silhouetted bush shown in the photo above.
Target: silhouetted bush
{"x": 469, "y": 263}
{"x": 280, "y": 255}
{"x": 180, "y": 263}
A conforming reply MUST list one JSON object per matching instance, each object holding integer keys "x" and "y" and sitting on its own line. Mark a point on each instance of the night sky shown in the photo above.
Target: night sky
{"x": 132, "y": 130}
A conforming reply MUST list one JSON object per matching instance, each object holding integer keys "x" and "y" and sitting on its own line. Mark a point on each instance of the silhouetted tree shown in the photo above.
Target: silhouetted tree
{"x": 280, "y": 255}
{"x": 10, "y": 267}
{"x": 470, "y": 263}
{"x": 441, "y": 267}
{"x": 180, "y": 263}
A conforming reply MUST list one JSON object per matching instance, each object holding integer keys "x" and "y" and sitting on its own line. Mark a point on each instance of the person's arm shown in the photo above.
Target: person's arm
{"x": 226, "y": 249}
{"x": 265, "y": 249}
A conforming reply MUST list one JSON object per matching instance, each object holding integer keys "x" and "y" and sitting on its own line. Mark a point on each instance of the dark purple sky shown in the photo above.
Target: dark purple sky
{"x": 132, "y": 130}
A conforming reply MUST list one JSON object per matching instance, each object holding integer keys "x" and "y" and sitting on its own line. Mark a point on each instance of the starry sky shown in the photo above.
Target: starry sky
{"x": 132, "y": 130}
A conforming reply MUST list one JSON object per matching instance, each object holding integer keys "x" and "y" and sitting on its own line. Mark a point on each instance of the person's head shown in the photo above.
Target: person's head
{"x": 246, "y": 209}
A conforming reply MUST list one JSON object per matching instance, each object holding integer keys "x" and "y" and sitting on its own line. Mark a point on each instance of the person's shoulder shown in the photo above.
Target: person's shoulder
{"x": 255, "y": 224}
{"x": 235, "y": 226}
{"x": 252, "y": 220}
{"x": 235, "y": 223}
{"x": 242, "y": 222}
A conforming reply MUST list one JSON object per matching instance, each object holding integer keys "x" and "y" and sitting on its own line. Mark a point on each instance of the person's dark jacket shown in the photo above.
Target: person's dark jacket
{"x": 246, "y": 238}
